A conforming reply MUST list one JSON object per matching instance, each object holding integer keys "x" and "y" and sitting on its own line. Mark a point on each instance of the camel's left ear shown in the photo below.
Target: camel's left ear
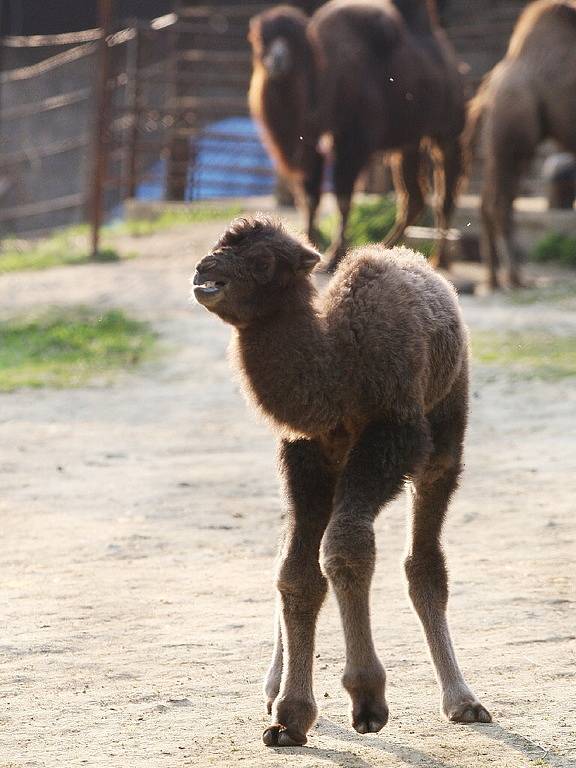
{"x": 308, "y": 258}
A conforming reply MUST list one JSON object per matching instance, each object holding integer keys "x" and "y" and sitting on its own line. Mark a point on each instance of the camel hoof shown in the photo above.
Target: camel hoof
{"x": 279, "y": 736}
{"x": 370, "y": 719}
{"x": 469, "y": 712}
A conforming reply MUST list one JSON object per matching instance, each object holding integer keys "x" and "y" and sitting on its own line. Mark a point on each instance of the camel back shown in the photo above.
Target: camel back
{"x": 538, "y": 21}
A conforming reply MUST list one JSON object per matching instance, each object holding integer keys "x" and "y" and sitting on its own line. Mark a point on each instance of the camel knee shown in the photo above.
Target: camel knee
{"x": 348, "y": 555}
{"x": 301, "y": 584}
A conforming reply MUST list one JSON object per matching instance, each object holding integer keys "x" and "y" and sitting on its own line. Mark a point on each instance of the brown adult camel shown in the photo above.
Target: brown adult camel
{"x": 360, "y": 76}
{"x": 528, "y": 97}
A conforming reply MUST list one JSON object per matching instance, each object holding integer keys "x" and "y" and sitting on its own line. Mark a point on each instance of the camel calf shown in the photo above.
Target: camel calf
{"x": 366, "y": 389}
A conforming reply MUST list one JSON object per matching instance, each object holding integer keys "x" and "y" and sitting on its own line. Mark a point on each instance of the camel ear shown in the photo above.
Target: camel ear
{"x": 308, "y": 258}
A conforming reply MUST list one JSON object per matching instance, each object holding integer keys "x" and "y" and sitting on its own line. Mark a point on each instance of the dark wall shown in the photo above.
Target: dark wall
{"x": 47, "y": 17}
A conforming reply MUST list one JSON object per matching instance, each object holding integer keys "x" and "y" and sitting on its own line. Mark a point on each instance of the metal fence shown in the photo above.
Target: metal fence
{"x": 157, "y": 111}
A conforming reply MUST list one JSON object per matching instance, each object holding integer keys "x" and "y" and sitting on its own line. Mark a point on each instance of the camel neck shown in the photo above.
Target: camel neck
{"x": 287, "y": 114}
{"x": 287, "y": 364}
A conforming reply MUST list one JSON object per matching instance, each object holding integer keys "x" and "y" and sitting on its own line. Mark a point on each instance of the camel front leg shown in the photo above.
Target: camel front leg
{"x": 406, "y": 172}
{"x": 447, "y": 158}
{"x": 351, "y": 157}
{"x": 488, "y": 244}
{"x": 312, "y": 187}
{"x": 301, "y": 587}
{"x": 373, "y": 475}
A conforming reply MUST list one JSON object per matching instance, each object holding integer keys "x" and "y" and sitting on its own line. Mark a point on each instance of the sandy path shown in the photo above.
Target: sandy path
{"x": 139, "y": 526}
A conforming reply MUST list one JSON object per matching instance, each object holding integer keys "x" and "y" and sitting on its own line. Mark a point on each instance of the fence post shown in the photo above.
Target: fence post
{"x": 133, "y": 65}
{"x": 1, "y": 87}
{"x": 178, "y": 145}
{"x": 100, "y": 151}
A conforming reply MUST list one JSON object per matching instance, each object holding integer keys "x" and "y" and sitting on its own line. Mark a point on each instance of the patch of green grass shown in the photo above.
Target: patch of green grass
{"x": 556, "y": 247}
{"x": 527, "y": 354}
{"x": 370, "y": 221}
{"x": 64, "y": 247}
{"x": 562, "y": 294}
{"x": 72, "y": 244}
{"x": 174, "y": 217}
{"x": 69, "y": 348}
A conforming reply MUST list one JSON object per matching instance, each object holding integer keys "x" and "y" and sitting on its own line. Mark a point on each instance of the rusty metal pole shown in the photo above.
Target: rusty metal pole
{"x": 100, "y": 156}
{"x": 177, "y": 152}
{"x": 1, "y": 84}
{"x": 134, "y": 106}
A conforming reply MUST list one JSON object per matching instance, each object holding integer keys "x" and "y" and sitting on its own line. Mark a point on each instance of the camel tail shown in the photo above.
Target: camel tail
{"x": 474, "y": 120}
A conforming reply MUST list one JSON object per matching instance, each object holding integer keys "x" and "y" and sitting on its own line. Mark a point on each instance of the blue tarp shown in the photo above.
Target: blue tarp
{"x": 229, "y": 161}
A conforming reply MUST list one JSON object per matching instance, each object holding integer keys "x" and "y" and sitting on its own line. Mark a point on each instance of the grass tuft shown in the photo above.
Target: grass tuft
{"x": 69, "y": 348}
{"x": 64, "y": 247}
{"x": 71, "y": 245}
{"x": 173, "y": 217}
{"x": 370, "y": 221}
{"x": 556, "y": 247}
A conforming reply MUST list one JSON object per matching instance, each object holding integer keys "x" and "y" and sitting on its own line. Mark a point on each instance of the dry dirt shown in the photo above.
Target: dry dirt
{"x": 138, "y": 533}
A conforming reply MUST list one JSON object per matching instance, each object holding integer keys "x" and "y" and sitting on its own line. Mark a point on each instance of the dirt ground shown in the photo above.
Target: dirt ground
{"x": 139, "y": 525}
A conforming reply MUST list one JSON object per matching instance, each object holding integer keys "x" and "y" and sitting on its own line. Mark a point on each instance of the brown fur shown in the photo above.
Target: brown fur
{"x": 528, "y": 97}
{"x": 366, "y": 388}
{"x": 373, "y": 75}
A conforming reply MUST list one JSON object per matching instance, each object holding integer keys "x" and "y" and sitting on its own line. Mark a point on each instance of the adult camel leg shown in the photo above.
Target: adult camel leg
{"x": 351, "y": 157}
{"x": 312, "y": 183}
{"x": 487, "y": 242}
{"x": 510, "y": 150}
{"x": 373, "y": 475}
{"x": 502, "y": 217}
{"x": 406, "y": 175}
{"x": 448, "y": 166}
{"x": 425, "y": 564}
{"x": 302, "y": 587}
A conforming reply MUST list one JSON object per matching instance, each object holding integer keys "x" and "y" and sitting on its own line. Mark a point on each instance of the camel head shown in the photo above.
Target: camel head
{"x": 278, "y": 39}
{"x": 251, "y": 270}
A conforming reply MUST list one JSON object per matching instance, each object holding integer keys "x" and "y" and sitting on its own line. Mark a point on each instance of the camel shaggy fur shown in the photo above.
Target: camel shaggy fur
{"x": 528, "y": 97}
{"x": 359, "y": 76}
{"x": 366, "y": 389}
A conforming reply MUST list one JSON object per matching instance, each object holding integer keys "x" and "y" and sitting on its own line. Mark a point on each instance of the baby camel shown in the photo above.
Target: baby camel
{"x": 366, "y": 389}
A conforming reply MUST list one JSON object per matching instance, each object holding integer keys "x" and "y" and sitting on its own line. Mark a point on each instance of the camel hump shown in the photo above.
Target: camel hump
{"x": 541, "y": 24}
{"x": 378, "y": 24}
{"x": 417, "y": 15}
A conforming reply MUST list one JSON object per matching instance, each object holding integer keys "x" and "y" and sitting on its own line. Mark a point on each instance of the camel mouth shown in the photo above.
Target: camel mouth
{"x": 206, "y": 290}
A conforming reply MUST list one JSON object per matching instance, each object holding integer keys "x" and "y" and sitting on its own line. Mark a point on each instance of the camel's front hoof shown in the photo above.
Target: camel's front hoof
{"x": 370, "y": 718}
{"x": 280, "y": 736}
{"x": 469, "y": 712}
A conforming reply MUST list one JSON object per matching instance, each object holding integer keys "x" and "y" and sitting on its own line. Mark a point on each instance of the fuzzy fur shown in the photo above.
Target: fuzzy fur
{"x": 366, "y": 386}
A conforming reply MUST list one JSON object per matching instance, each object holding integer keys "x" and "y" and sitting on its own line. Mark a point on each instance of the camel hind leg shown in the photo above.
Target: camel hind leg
{"x": 514, "y": 129}
{"x": 408, "y": 185}
{"x": 448, "y": 166}
{"x": 374, "y": 473}
{"x": 425, "y": 564}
